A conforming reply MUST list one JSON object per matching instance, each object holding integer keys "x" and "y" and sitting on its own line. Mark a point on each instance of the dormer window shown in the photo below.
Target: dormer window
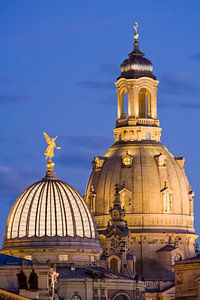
{"x": 181, "y": 161}
{"x": 191, "y": 202}
{"x": 167, "y": 200}
{"x": 161, "y": 160}
{"x": 127, "y": 160}
{"x": 98, "y": 162}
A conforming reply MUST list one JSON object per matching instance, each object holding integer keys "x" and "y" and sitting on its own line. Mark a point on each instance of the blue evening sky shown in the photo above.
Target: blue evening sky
{"x": 58, "y": 64}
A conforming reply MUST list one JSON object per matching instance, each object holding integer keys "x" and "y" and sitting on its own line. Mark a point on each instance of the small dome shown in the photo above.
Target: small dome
{"x": 49, "y": 210}
{"x": 136, "y": 65}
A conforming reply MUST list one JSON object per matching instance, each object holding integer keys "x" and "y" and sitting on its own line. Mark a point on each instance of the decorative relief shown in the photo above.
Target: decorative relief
{"x": 135, "y": 132}
{"x": 125, "y": 135}
{"x": 179, "y": 278}
{"x": 161, "y": 160}
{"x": 114, "y": 243}
{"x": 98, "y": 162}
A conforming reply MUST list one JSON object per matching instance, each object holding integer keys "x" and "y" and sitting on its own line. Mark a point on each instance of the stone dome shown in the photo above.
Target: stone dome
{"x": 136, "y": 65}
{"x": 154, "y": 189}
{"x": 50, "y": 213}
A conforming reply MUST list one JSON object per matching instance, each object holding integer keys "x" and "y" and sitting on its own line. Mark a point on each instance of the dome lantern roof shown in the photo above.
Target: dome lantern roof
{"x": 136, "y": 65}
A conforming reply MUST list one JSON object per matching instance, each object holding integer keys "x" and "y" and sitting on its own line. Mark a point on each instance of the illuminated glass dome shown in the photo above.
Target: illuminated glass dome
{"x": 50, "y": 207}
{"x": 50, "y": 213}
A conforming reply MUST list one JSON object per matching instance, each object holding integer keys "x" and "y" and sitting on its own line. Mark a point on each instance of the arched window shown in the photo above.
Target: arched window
{"x": 121, "y": 296}
{"x": 76, "y": 297}
{"x": 124, "y": 112}
{"x": 114, "y": 265}
{"x": 144, "y": 103}
{"x": 148, "y": 136}
{"x": 167, "y": 200}
{"x": 126, "y": 104}
{"x": 191, "y": 202}
{"x": 123, "y": 104}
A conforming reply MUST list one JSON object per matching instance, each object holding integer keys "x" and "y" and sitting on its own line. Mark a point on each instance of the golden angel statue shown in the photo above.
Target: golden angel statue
{"x": 49, "y": 153}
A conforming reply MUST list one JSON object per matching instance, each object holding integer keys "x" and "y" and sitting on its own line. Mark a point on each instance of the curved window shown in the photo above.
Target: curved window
{"x": 114, "y": 265}
{"x": 123, "y": 104}
{"x": 121, "y": 297}
{"x": 76, "y": 297}
{"x": 144, "y": 103}
{"x": 148, "y": 136}
{"x": 125, "y": 112}
{"x": 167, "y": 201}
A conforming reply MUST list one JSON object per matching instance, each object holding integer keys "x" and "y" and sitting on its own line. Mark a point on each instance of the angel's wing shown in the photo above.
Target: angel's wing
{"x": 47, "y": 138}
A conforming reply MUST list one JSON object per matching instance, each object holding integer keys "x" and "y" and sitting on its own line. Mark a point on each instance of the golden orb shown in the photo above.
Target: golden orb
{"x": 50, "y": 165}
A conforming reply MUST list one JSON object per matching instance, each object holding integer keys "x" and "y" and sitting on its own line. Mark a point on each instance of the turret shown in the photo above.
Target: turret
{"x": 137, "y": 98}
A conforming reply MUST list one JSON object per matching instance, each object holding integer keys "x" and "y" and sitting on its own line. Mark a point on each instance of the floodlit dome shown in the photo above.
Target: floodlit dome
{"x": 154, "y": 189}
{"x": 50, "y": 213}
{"x": 50, "y": 208}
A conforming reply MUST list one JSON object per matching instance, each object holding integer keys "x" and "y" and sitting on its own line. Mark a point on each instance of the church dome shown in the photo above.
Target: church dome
{"x": 136, "y": 65}
{"x": 154, "y": 189}
{"x": 50, "y": 213}
{"x": 152, "y": 185}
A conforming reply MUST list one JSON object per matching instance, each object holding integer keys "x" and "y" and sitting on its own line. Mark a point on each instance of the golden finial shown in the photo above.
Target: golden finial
{"x": 136, "y": 35}
{"x": 49, "y": 153}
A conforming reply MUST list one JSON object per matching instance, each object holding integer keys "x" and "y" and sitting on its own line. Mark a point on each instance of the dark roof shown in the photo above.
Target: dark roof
{"x": 78, "y": 272}
{"x": 167, "y": 248}
{"x": 136, "y": 65}
{"x": 12, "y": 260}
{"x": 153, "y": 270}
{"x": 195, "y": 258}
{"x": 161, "y": 289}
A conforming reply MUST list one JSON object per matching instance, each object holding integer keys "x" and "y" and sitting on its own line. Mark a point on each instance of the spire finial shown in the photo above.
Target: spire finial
{"x": 136, "y": 34}
{"x": 49, "y": 153}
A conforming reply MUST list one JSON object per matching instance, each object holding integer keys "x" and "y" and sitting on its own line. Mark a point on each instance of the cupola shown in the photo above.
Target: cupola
{"x": 136, "y": 65}
{"x": 137, "y": 98}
